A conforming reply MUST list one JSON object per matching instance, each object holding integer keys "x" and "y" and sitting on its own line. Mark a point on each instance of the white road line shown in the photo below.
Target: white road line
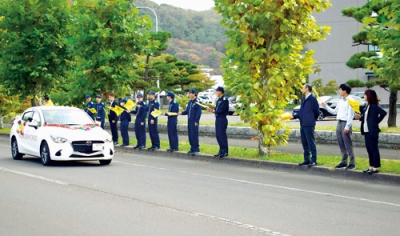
{"x": 34, "y": 176}
{"x": 266, "y": 185}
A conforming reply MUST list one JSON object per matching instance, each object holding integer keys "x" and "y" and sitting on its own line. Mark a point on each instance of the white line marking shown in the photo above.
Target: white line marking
{"x": 34, "y": 176}
{"x": 266, "y": 185}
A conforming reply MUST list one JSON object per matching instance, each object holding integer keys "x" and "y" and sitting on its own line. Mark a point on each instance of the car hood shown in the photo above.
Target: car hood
{"x": 78, "y": 132}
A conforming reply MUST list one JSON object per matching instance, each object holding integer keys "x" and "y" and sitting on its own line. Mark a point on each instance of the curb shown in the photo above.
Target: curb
{"x": 271, "y": 165}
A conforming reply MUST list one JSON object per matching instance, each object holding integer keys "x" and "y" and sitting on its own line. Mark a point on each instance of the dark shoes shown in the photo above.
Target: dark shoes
{"x": 341, "y": 165}
{"x": 172, "y": 150}
{"x": 304, "y": 163}
{"x": 152, "y": 149}
{"x": 124, "y": 145}
{"x": 115, "y": 143}
{"x": 350, "y": 167}
{"x": 221, "y": 155}
{"x": 311, "y": 164}
{"x": 139, "y": 147}
{"x": 370, "y": 171}
{"x": 192, "y": 153}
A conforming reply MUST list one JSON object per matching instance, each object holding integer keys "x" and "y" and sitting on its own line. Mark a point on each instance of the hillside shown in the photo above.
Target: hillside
{"x": 197, "y": 35}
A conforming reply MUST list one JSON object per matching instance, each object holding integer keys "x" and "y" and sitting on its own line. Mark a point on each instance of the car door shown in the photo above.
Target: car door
{"x": 22, "y": 139}
{"x": 31, "y": 133}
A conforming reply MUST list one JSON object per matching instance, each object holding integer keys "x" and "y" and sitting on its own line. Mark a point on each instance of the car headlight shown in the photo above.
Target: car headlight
{"x": 109, "y": 139}
{"x": 58, "y": 139}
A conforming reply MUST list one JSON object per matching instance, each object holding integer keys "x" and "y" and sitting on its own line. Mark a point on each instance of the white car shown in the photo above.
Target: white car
{"x": 60, "y": 134}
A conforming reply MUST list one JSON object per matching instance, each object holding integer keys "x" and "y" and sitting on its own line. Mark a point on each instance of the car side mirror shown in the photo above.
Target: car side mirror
{"x": 33, "y": 125}
{"x": 30, "y": 119}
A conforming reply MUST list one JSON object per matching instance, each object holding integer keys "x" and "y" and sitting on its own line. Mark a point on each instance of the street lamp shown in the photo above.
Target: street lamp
{"x": 154, "y": 12}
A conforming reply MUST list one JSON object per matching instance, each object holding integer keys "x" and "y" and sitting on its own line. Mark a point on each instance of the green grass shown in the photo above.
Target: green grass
{"x": 5, "y": 130}
{"x": 388, "y": 166}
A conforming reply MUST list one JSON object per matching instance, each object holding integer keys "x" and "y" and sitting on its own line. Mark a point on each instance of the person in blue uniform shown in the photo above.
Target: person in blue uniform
{"x": 89, "y": 105}
{"x": 172, "y": 123}
{"x": 100, "y": 109}
{"x": 124, "y": 118}
{"x": 153, "y": 122}
{"x": 140, "y": 122}
{"x": 193, "y": 111}
{"x": 113, "y": 118}
{"x": 221, "y": 122}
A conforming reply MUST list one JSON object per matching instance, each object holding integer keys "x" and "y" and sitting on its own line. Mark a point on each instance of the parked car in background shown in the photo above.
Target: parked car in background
{"x": 56, "y": 133}
{"x": 332, "y": 102}
{"x": 204, "y": 99}
{"x": 232, "y": 108}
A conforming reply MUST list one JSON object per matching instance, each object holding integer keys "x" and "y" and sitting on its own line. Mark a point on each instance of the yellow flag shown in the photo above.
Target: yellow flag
{"x": 118, "y": 110}
{"x": 285, "y": 116}
{"x": 156, "y": 113}
{"x": 355, "y": 105}
{"x": 204, "y": 106}
{"x": 316, "y": 95}
{"x": 172, "y": 113}
{"x": 130, "y": 104}
{"x": 92, "y": 110}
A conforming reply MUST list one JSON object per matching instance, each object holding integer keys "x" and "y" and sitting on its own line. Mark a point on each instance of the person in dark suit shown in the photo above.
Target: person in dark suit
{"x": 140, "y": 122}
{"x": 101, "y": 114}
{"x": 370, "y": 119}
{"x": 153, "y": 122}
{"x": 113, "y": 118}
{"x": 172, "y": 123}
{"x": 89, "y": 105}
{"x": 221, "y": 122}
{"x": 124, "y": 118}
{"x": 193, "y": 111}
{"x": 308, "y": 114}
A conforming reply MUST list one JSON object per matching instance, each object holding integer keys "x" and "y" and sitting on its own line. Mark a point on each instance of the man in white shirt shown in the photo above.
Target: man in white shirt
{"x": 344, "y": 115}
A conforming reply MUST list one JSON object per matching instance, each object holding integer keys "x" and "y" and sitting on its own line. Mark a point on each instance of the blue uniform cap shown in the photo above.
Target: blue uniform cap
{"x": 124, "y": 100}
{"x": 139, "y": 95}
{"x": 98, "y": 96}
{"x": 171, "y": 94}
{"x": 87, "y": 96}
{"x": 192, "y": 90}
{"x": 152, "y": 92}
{"x": 221, "y": 89}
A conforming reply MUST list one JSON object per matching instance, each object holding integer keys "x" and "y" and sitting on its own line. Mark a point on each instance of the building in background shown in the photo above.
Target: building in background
{"x": 333, "y": 53}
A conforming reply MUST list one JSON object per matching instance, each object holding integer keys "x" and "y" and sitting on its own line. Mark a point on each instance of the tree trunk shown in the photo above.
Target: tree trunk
{"x": 392, "y": 108}
{"x": 146, "y": 75}
{"x": 263, "y": 150}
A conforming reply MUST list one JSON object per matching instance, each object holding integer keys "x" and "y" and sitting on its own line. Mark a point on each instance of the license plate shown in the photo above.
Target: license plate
{"x": 97, "y": 147}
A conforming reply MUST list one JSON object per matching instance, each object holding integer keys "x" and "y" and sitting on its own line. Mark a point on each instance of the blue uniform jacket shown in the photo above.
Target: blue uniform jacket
{"x": 173, "y": 107}
{"x": 111, "y": 114}
{"x": 153, "y": 105}
{"x": 222, "y": 107}
{"x": 125, "y": 116}
{"x": 101, "y": 113}
{"x": 193, "y": 111}
{"x": 88, "y": 106}
{"x": 309, "y": 112}
{"x": 141, "y": 112}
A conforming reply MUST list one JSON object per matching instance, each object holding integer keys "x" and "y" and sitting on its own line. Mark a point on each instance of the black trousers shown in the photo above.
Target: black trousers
{"x": 114, "y": 131}
{"x": 371, "y": 143}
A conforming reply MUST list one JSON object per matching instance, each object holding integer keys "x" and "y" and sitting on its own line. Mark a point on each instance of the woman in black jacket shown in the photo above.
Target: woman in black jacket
{"x": 370, "y": 119}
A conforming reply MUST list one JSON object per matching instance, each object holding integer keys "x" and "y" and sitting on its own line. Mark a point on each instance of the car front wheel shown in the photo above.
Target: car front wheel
{"x": 45, "y": 154}
{"x": 15, "y": 151}
{"x": 321, "y": 116}
{"x": 105, "y": 162}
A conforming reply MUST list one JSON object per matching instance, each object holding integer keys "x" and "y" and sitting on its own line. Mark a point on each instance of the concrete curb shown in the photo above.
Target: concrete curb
{"x": 271, "y": 165}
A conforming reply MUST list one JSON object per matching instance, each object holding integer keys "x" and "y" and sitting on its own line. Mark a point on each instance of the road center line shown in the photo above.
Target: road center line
{"x": 265, "y": 185}
{"x": 33, "y": 176}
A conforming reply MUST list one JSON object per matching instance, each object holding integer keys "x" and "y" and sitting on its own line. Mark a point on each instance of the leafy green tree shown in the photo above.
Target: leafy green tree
{"x": 265, "y": 58}
{"x": 380, "y": 28}
{"x": 32, "y": 55}
{"x": 105, "y": 38}
{"x": 329, "y": 89}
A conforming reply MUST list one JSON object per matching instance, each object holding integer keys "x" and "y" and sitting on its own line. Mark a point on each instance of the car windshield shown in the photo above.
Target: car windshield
{"x": 66, "y": 117}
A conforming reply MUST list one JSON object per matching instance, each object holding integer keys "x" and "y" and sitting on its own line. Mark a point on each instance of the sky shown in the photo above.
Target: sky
{"x": 197, "y": 5}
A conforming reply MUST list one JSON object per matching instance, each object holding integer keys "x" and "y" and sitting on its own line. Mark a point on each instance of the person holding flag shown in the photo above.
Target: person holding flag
{"x": 140, "y": 122}
{"x": 90, "y": 107}
{"x": 113, "y": 118}
{"x": 100, "y": 111}
{"x": 125, "y": 118}
{"x": 153, "y": 122}
{"x": 172, "y": 123}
